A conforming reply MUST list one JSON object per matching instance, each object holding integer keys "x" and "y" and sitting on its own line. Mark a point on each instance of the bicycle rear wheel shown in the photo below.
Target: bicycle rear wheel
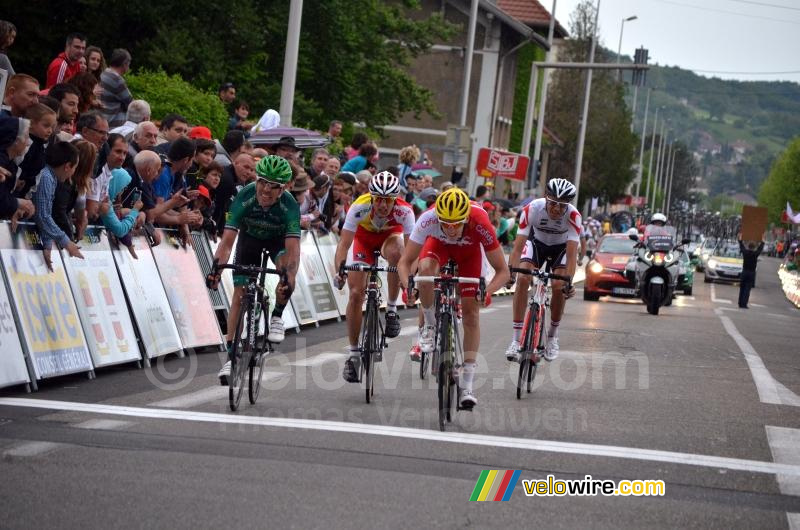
{"x": 446, "y": 385}
{"x": 240, "y": 360}
{"x": 257, "y": 364}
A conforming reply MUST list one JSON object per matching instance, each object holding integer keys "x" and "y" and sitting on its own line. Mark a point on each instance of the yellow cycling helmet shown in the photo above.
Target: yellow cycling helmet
{"x": 452, "y": 206}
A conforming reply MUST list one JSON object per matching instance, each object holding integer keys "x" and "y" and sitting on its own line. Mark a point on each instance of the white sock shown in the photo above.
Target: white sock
{"x": 467, "y": 375}
{"x": 391, "y": 307}
{"x": 430, "y": 316}
{"x": 517, "y": 325}
{"x": 553, "y": 332}
{"x": 354, "y": 351}
{"x": 419, "y": 334}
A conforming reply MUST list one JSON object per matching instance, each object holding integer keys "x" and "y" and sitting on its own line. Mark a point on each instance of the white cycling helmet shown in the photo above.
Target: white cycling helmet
{"x": 561, "y": 189}
{"x": 658, "y": 217}
{"x": 384, "y": 184}
{"x": 632, "y": 231}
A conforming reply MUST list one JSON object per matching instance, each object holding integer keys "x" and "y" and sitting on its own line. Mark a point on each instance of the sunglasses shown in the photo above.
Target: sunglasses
{"x": 556, "y": 204}
{"x": 272, "y": 186}
{"x": 383, "y": 199}
{"x": 451, "y": 226}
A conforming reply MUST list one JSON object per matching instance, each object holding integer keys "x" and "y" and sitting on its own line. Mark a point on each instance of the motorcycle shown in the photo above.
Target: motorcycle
{"x": 654, "y": 267}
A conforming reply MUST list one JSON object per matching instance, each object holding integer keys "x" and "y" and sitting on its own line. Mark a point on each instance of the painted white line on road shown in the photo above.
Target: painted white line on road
{"x": 102, "y": 424}
{"x": 784, "y": 444}
{"x": 794, "y": 521}
{"x": 769, "y": 389}
{"x": 714, "y": 296}
{"x": 756, "y": 305}
{"x": 750, "y": 314}
{"x": 31, "y": 449}
{"x": 206, "y": 395}
{"x": 319, "y": 359}
{"x": 606, "y": 451}
{"x": 408, "y": 330}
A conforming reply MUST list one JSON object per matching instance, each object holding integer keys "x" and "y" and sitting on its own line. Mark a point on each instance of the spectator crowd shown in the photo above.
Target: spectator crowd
{"x": 81, "y": 151}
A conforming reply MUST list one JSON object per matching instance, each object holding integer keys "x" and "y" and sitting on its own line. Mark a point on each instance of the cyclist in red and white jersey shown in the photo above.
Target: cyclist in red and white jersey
{"x": 377, "y": 220}
{"x": 455, "y": 228}
{"x": 549, "y": 233}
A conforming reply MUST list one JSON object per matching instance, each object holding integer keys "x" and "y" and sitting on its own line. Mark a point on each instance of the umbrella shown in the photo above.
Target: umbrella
{"x": 425, "y": 169}
{"x": 303, "y": 138}
{"x": 504, "y": 203}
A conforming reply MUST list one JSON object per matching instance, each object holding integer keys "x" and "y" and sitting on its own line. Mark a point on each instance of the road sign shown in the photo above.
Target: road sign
{"x": 453, "y": 158}
{"x": 459, "y": 137}
{"x": 494, "y": 163}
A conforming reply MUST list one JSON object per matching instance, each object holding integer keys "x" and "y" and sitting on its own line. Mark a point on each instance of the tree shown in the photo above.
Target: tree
{"x": 610, "y": 146}
{"x": 782, "y": 184}
{"x": 351, "y": 66}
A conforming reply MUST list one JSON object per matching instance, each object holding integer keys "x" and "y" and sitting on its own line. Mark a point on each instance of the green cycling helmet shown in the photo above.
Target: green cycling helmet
{"x": 274, "y": 168}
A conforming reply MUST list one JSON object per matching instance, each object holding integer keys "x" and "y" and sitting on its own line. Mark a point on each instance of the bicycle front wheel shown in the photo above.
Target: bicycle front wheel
{"x": 534, "y": 357}
{"x": 446, "y": 385}
{"x": 240, "y": 359}
{"x": 257, "y": 361}
{"x": 370, "y": 348}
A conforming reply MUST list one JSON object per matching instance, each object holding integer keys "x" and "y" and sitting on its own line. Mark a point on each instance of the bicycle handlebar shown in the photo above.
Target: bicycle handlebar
{"x": 458, "y": 279}
{"x": 542, "y": 274}
{"x": 249, "y": 270}
{"x": 367, "y": 268}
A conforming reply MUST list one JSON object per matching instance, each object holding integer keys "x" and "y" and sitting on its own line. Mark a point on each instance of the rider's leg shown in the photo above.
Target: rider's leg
{"x": 557, "y": 304}
{"x": 472, "y": 341}
{"x": 392, "y": 250}
{"x": 427, "y": 267}
{"x": 355, "y": 305}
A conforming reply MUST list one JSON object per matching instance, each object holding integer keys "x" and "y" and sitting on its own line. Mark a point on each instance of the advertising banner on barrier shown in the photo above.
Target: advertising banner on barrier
{"x": 326, "y": 245}
{"x": 51, "y": 328}
{"x": 186, "y": 291}
{"x": 12, "y": 361}
{"x": 313, "y": 282}
{"x": 101, "y": 301}
{"x": 147, "y": 299}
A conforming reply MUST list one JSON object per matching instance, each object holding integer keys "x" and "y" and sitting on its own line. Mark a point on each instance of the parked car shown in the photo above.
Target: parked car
{"x": 605, "y": 273}
{"x": 704, "y": 252}
{"x": 725, "y": 263}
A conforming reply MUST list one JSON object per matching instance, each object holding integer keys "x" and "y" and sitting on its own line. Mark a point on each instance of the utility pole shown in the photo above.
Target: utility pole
{"x": 669, "y": 186}
{"x": 585, "y": 114}
{"x": 650, "y": 164}
{"x": 641, "y": 149}
{"x": 290, "y": 62}
{"x": 658, "y": 163}
{"x": 462, "y": 121}
{"x": 666, "y": 175}
{"x": 537, "y": 148}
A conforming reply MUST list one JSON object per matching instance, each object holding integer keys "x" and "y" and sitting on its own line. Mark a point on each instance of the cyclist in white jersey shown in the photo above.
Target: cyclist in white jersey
{"x": 549, "y": 233}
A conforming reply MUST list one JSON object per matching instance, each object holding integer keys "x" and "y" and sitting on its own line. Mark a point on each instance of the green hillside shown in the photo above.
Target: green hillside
{"x": 708, "y": 112}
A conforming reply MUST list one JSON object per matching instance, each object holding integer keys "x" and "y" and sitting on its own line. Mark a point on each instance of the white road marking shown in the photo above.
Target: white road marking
{"x": 206, "y": 395}
{"x": 769, "y": 389}
{"x": 756, "y": 305}
{"x": 606, "y": 451}
{"x": 408, "y": 330}
{"x": 102, "y": 424}
{"x": 31, "y": 449}
{"x": 793, "y": 520}
{"x": 319, "y": 359}
{"x": 714, "y": 296}
{"x": 784, "y": 444}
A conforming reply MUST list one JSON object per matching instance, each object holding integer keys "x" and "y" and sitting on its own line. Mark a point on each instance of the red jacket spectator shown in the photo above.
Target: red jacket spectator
{"x": 67, "y": 63}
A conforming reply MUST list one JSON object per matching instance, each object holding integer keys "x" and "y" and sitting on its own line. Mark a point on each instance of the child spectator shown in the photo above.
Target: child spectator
{"x": 117, "y": 221}
{"x": 61, "y": 160}
{"x": 69, "y": 204}
{"x": 13, "y": 140}
{"x": 43, "y": 123}
{"x": 238, "y": 121}
{"x": 205, "y": 151}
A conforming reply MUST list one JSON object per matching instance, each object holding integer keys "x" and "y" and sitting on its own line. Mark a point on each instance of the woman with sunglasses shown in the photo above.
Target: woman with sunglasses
{"x": 549, "y": 233}
{"x": 265, "y": 217}
{"x": 377, "y": 220}
{"x": 459, "y": 229}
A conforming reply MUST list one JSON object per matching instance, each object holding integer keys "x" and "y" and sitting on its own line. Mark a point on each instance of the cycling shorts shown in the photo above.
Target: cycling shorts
{"x": 365, "y": 243}
{"x": 248, "y": 252}
{"x": 539, "y": 254}
{"x": 468, "y": 258}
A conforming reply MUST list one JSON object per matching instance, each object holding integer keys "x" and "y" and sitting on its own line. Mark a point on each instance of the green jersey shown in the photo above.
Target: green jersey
{"x": 281, "y": 220}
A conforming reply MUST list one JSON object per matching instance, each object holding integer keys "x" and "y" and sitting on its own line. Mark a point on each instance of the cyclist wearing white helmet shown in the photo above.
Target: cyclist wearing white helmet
{"x": 549, "y": 234}
{"x": 377, "y": 220}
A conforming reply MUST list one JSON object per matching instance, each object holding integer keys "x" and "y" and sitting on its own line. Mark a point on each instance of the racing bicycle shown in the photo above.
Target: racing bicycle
{"x": 373, "y": 341}
{"x": 249, "y": 350}
{"x": 534, "y": 336}
{"x": 447, "y": 356}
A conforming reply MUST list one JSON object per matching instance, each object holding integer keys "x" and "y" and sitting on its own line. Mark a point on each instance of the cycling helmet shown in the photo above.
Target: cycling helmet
{"x": 632, "y": 231}
{"x": 561, "y": 189}
{"x": 274, "y": 168}
{"x": 658, "y": 217}
{"x": 453, "y": 206}
{"x": 384, "y": 184}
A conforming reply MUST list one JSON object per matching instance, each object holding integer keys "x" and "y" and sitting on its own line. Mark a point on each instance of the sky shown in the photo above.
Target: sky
{"x": 747, "y": 40}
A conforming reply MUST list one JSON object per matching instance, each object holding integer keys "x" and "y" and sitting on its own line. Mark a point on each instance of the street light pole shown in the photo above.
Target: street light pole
{"x": 641, "y": 149}
{"x": 619, "y": 48}
{"x": 290, "y": 62}
{"x": 650, "y": 164}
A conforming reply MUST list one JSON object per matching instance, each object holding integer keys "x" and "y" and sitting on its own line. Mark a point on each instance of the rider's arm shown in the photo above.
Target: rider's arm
{"x": 516, "y": 252}
{"x": 501, "y": 274}
{"x": 583, "y": 248}
{"x": 572, "y": 250}
{"x": 223, "y": 252}
{"x": 404, "y": 266}
{"x": 345, "y": 240}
